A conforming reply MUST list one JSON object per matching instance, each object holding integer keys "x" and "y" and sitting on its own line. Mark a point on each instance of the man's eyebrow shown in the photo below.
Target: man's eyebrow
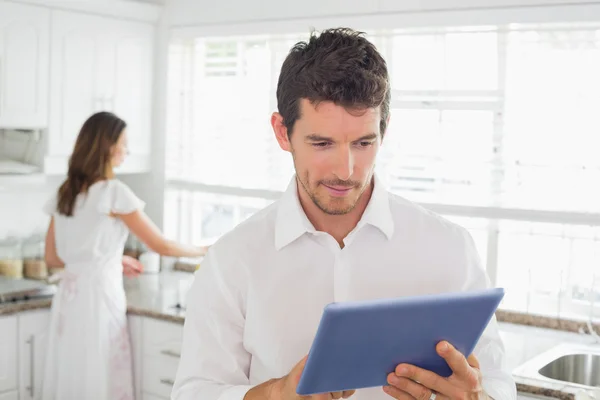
{"x": 370, "y": 136}
{"x": 320, "y": 138}
{"x": 315, "y": 137}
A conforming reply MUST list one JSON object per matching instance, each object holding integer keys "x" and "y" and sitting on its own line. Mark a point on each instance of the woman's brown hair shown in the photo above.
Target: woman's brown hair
{"x": 90, "y": 161}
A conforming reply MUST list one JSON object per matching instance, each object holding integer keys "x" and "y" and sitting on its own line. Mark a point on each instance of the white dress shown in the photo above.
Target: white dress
{"x": 89, "y": 354}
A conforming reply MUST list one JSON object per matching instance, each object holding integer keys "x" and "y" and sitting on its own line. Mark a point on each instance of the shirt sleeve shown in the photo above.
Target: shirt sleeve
{"x": 214, "y": 364}
{"x": 498, "y": 382}
{"x": 118, "y": 198}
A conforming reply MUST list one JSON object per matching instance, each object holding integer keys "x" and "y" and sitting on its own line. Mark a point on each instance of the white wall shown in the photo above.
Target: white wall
{"x": 21, "y": 208}
{"x": 211, "y": 12}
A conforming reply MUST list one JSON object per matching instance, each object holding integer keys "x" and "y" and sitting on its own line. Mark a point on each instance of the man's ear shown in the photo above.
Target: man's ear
{"x": 281, "y": 132}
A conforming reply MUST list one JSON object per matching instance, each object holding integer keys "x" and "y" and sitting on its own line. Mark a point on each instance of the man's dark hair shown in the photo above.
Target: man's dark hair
{"x": 340, "y": 66}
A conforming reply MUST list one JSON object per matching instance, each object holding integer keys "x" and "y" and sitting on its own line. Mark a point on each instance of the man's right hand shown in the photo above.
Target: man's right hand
{"x": 285, "y": 388}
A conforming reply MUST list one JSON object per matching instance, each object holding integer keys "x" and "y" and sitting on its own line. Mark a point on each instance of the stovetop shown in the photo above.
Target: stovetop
{"x": 13, "y": 290}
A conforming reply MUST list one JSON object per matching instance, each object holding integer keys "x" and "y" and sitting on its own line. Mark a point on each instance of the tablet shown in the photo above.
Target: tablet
{"x": 358, "y": 343}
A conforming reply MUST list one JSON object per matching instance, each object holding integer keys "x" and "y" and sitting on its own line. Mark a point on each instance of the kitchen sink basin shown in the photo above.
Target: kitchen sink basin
{"x": 583, "y": 369}
{"x": 573, "y": 365}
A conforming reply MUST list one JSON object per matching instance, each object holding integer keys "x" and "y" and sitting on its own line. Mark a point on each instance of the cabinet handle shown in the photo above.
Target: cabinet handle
{"x": 167, "y": 382}
{"x": 31, "y": 388}
{"x": 171, "y": 353}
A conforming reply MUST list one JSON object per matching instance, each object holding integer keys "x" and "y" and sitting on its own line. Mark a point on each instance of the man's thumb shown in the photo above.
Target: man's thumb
{"x": 297, "y": 370}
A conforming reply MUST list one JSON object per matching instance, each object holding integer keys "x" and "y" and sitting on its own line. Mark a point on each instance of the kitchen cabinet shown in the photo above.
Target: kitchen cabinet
{"x": 99, "y": 64}
{"x": 147, "y": 396}
{"x": 24, "y": 65}
{"x": 33, "y": 341}
{"x": 161, "y": 353}
{"x": 8, "y": 355}
{"x": 14, "y": 395}
{"x": 134, "y": 323}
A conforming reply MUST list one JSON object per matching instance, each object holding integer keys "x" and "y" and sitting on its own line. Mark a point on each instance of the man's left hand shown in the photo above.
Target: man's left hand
{"x": 409, "y": 382}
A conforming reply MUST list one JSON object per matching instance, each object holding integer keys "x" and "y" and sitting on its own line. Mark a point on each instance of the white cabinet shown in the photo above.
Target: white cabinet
{"x": 8, "y": 354}
{"x": 14, "y": 395}
{"x": 33, "y": 341}
{"x": 161, "y": 353}
{"x": 99, "y": 64}
{"x": 135, "y": 325}
{"x": 145, "y": 396}
{"x": 24, "y": 62}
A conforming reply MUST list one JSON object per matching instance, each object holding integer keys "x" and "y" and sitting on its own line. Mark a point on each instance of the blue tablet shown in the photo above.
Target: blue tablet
{"x": 358, "y": 343}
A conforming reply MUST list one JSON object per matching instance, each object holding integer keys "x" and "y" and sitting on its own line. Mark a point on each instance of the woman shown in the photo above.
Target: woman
{"x": 88, "y": 351}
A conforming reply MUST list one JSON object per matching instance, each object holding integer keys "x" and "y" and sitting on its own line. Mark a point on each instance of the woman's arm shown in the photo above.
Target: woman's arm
{"x": 143, "y": 227}
{"x": 50, "y": 255}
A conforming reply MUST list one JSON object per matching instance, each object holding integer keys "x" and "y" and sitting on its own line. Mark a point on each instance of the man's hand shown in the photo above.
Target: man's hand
{"x": 131, "y": 266}
{"x": 285, "y": 388}
{"x": 409, "y": 382}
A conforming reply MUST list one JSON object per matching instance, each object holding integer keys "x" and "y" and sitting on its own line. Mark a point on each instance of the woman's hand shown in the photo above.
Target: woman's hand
{"x": 132, "y": 267}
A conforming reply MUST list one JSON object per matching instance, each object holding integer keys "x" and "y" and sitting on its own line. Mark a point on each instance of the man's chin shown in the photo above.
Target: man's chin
{"x": 337, "y": 209}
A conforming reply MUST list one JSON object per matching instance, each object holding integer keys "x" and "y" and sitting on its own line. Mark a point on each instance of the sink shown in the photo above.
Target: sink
{"x": 583, "y": 369}
{"x": 574, "y": 365}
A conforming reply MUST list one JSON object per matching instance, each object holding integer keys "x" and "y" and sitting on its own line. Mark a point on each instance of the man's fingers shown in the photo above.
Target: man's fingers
{"x": 455, "y": 359}
{"x": 296, "y": 372}
{"x": 396, "y": 393}
{"x": 409, "y": 386}
{"x": 426, "y": 378}
{"x": 473, "y": 361}
{"x": 347, "y": 393}
{"x": 463, "y": 371}
{"x": 336, "y": 395}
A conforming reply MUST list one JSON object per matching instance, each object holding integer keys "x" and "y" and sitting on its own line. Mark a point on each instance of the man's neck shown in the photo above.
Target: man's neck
{"x": 338, "y": 226}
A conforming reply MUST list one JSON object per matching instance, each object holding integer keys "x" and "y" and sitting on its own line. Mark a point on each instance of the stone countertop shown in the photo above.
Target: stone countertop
{"x": 523, "y": 343}
{"x": 158, "y": 296}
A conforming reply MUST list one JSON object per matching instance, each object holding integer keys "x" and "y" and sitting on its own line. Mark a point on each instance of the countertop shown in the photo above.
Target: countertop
{"x": 150, "y": 295}
{"x": 158, "y": 296}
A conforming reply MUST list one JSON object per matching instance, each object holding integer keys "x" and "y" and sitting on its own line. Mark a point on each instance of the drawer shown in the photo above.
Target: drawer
{"x": 158, "y": 375}
{"x": 8, "y": 354}
{"x": 162, "y": 338}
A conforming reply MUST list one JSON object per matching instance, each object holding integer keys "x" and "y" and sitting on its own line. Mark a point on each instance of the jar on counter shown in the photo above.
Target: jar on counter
{"x": 132, "y": 247}
{"x": 11, "y": 258}
{"x": 34, "y": 265}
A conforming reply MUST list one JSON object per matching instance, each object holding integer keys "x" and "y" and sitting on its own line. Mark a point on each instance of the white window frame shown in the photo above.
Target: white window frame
{"x": 494, "y": 214}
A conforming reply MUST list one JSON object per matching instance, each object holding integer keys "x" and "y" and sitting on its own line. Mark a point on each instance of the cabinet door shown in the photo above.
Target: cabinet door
{"x": 8, "y": 353}
{"x": 75, "y": 65}
{"x": 100, "y": 64}
{"x": 33, "y": 342}
{"x": 14, "y": 395}
{"x": 148, "y": 396}
{"x": 134, "y": 323}
{"x": 131, "y": 98}
{"x": 24, "y": 61}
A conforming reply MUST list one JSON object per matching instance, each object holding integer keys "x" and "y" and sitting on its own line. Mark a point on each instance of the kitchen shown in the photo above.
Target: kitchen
{"x": 62, "y": 61}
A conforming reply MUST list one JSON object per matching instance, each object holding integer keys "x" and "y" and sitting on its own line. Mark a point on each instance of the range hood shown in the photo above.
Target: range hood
{"x": 13, "y": 167}
{"x": 18, "y": 151}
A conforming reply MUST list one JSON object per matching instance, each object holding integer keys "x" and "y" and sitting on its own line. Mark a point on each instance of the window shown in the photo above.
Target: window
{"x": 494, "y": 127}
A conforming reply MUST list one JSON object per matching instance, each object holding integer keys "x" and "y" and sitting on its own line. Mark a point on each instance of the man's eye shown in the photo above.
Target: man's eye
{"x": 365, "y": 144}
{"x": 320, "y": 144}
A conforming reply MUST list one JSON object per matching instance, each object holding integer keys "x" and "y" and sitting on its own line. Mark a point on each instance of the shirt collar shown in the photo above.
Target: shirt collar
{"x": 291, "y": 221}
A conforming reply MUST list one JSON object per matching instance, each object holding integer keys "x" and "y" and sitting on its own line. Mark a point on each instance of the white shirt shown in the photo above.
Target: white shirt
{"x": 257, "y": 300}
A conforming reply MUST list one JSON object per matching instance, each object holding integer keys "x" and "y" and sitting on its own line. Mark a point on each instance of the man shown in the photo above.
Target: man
{"x": 336, "y": 234}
